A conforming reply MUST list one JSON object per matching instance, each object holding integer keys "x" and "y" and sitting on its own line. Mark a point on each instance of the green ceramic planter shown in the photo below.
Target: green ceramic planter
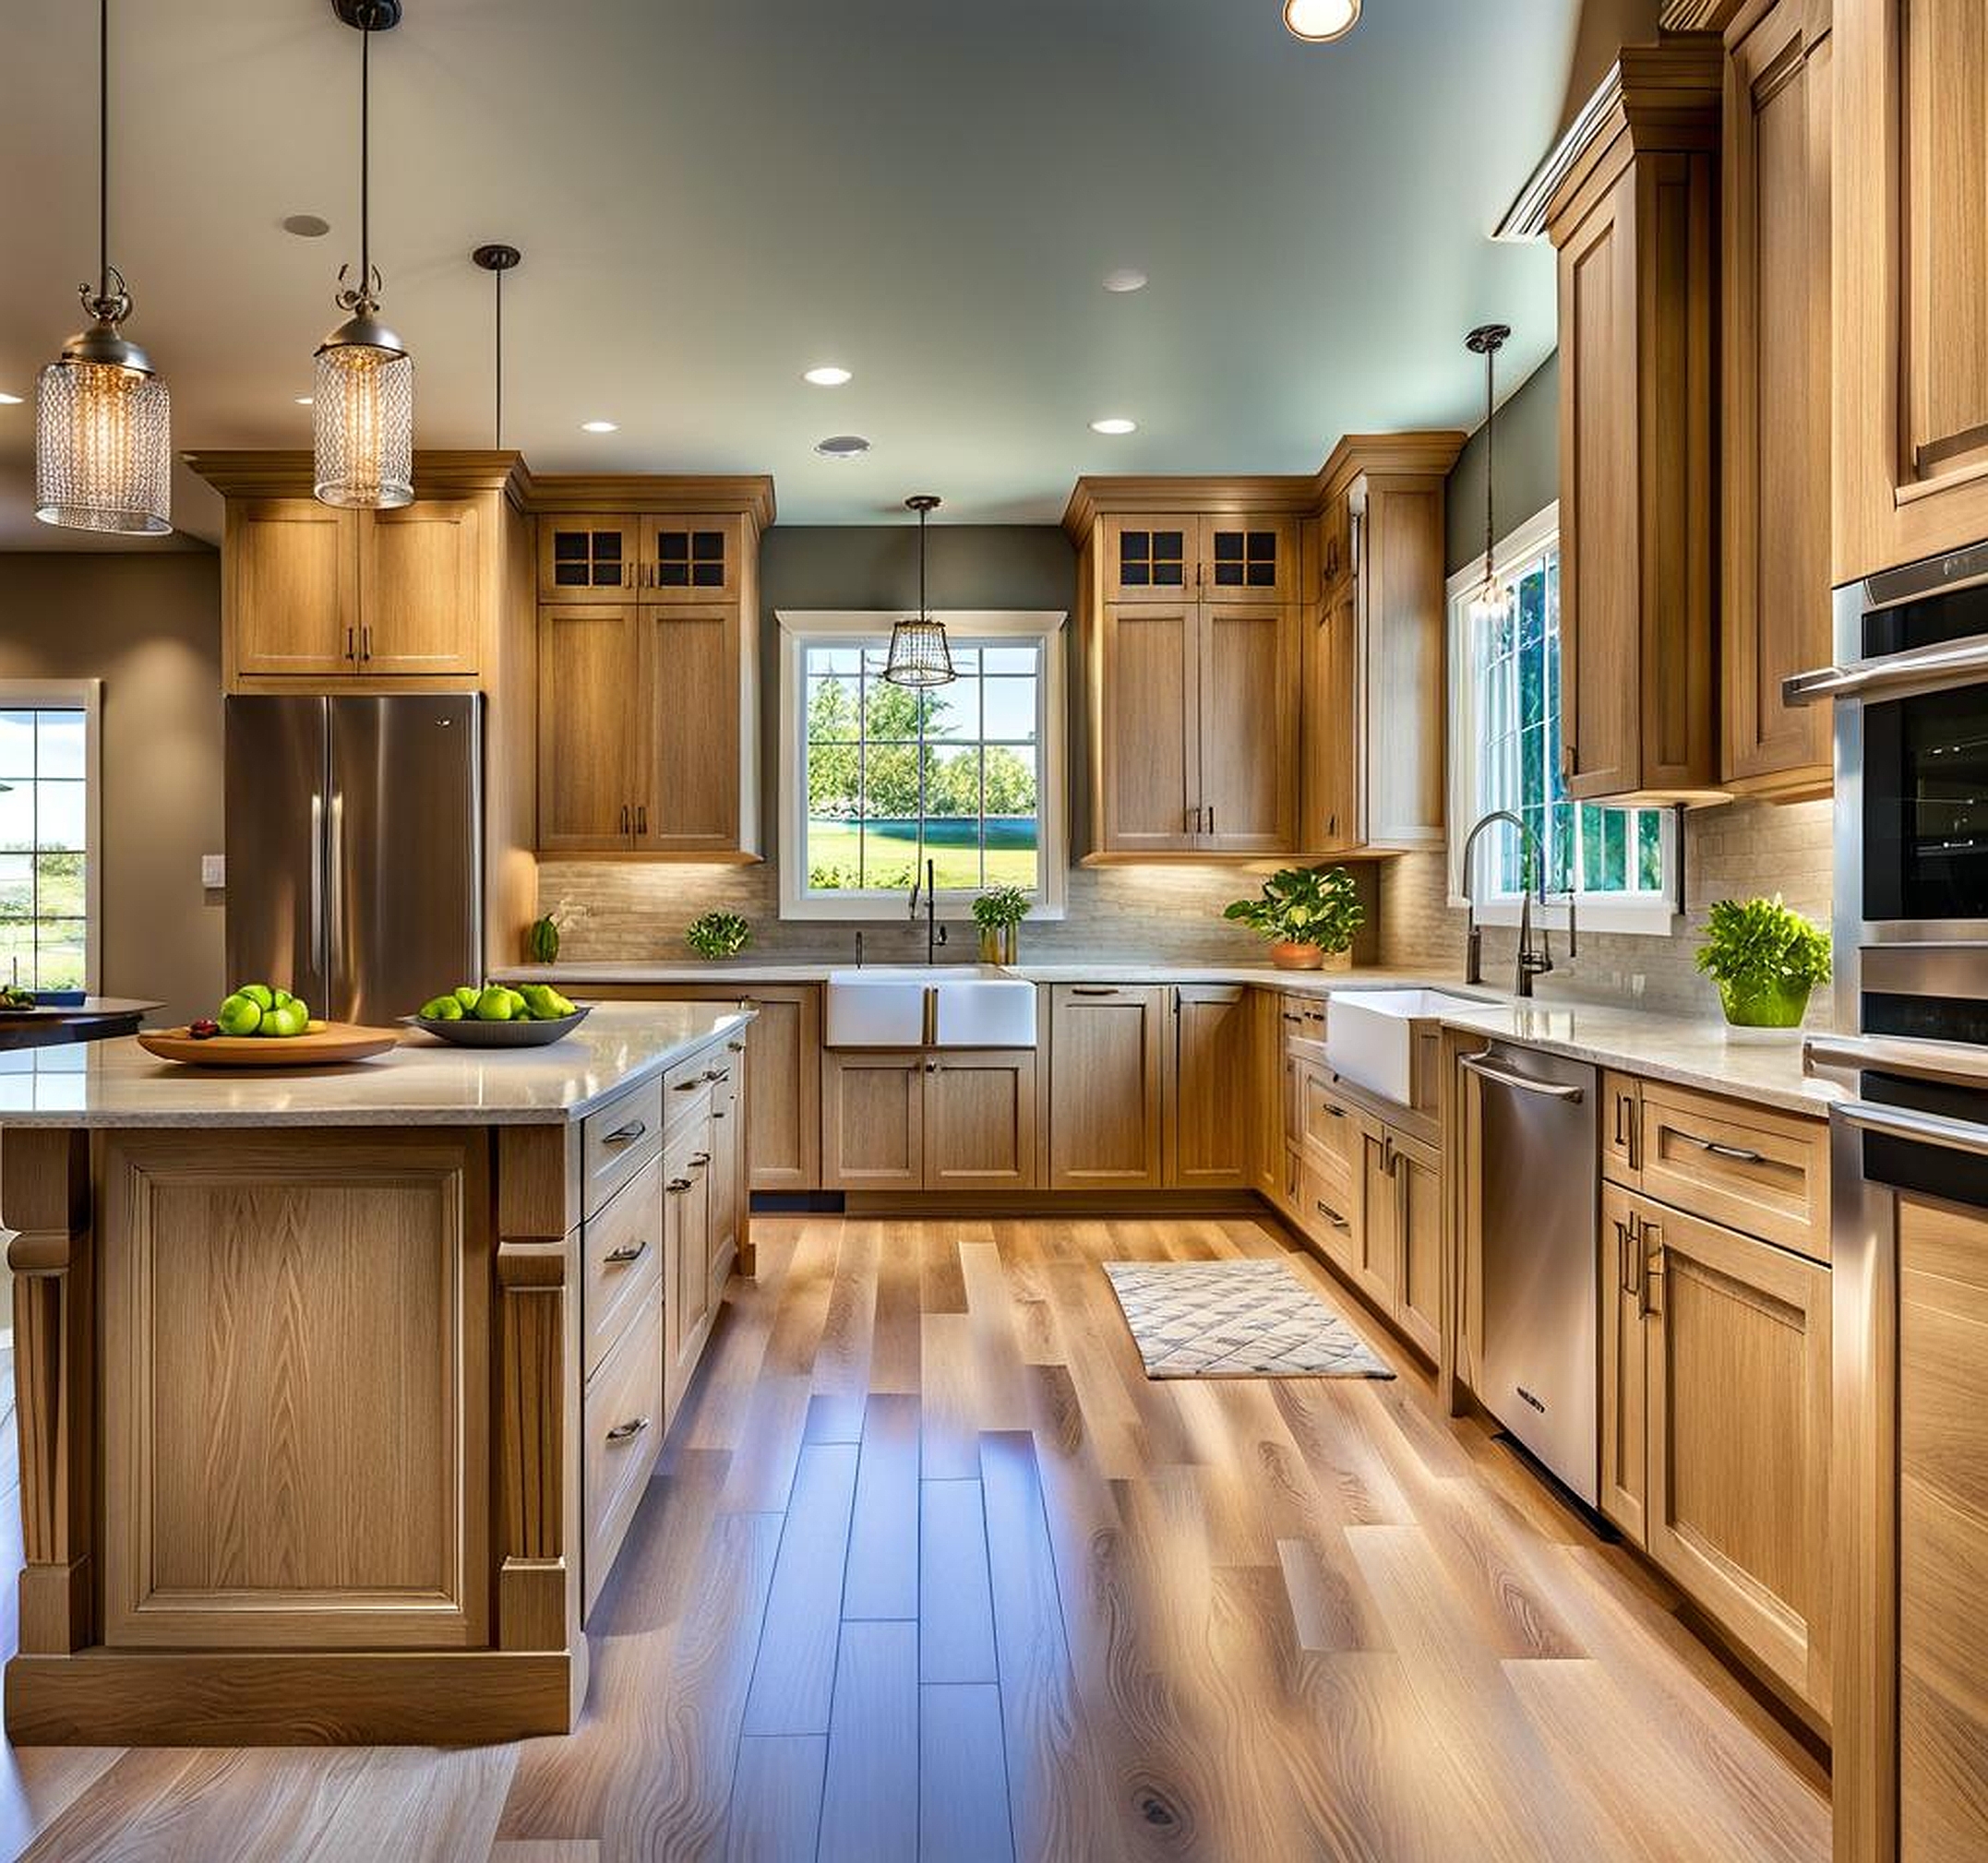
{"x": 1771, "y": 1005}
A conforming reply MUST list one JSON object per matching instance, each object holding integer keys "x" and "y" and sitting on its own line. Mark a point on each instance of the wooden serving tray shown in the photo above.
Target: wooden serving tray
{"x": 325, "y": 1044}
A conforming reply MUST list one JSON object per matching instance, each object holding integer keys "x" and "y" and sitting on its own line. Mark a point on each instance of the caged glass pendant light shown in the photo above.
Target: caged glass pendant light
{"x": 103, "y": 420}
{"x": 919, "y": 654}
{"x": 363, "y": 408}
{"x": 1492, "y": 600}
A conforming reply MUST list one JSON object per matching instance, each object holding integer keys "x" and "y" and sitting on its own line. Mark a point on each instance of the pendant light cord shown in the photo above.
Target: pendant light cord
{"x": 366, "y": 159}
{"x": 1491, "y": 460}
{"x": 103, "y": 147}
{"x": 500, "y": 360}
{"x": 925, "y": 607}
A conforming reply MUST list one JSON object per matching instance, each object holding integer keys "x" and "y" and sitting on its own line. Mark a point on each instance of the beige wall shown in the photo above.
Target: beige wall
{"x": 149, "y": 626}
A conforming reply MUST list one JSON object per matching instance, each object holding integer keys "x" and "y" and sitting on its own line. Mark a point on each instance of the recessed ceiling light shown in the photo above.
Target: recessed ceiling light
{"x": 10, "y": 401}
{"x": 1115, "y": 425}
{"x": 842, "y": 447}
{"x": 306, "y": 225}
{"x": 1127, "y": 278}
{"x": 1319, "y": 22}
{"x": 600, "y": 426}
{"x": 829, "y": 376}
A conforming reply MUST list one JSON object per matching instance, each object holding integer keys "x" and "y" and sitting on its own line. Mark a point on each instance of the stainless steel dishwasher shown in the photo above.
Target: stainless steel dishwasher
{"x": 1537, "y": 1163}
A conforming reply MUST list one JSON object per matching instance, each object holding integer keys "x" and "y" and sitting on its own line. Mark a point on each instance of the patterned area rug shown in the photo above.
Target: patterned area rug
{"x": 1235, "y": 1319}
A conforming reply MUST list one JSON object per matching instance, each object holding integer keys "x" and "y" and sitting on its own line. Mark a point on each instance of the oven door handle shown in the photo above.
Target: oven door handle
{"x": 1951, "y": 663}
{"x": 1919, "y": 1129}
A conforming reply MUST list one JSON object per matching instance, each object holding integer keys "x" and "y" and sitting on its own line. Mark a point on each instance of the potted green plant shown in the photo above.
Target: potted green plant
{"x": 1308, "y": 912}
{"x": 1765, "y": 959}
{"x": 717, "y": 935}
{"x": 998, "y": 912}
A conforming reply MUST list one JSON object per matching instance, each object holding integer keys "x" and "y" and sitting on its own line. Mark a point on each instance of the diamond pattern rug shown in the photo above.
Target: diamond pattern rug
{"x": 1235, "y": 1319}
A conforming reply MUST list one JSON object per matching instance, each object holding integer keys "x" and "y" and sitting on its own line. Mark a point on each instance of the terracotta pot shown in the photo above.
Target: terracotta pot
{"x": 1296, "y": 957}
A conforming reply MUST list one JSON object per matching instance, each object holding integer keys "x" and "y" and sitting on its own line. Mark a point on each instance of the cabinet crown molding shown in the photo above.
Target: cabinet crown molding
{"x": 752, "y": 494}
{"x": 1660, "y": 96}
{"x": 286, "y": 474}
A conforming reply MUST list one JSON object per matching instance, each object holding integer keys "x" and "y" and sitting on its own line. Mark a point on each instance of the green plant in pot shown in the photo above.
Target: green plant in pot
{"x": 998, "y": 913}
{"x": 717, "y": 935}
{"x": 1308, "y": 912}
{"x": 1765, "y": 959}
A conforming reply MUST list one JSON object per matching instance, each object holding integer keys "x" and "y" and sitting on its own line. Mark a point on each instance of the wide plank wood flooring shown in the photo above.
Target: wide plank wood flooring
{"x": 931, "y": 1571}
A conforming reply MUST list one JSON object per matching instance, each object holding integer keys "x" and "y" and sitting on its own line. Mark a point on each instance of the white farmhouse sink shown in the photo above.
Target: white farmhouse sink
{"x": 974, "y": 1005}
{"x": 1370, "y": 1035}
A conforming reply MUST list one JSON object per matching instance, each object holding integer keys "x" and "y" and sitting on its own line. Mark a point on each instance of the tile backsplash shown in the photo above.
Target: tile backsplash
{"x": 630, "y": 910}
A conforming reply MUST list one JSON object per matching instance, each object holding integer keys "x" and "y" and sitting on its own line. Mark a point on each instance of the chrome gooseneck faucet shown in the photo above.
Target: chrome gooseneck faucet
{"x": 935, "y": 933}
{"x": 1533, "y": 961}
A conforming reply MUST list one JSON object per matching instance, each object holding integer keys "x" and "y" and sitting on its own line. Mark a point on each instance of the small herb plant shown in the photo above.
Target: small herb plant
{"x": 1305, "y": 905}
{"x": 1000, "y": 907}
{"x": 717, "y": 935}
{"x": 1766, "y": 958}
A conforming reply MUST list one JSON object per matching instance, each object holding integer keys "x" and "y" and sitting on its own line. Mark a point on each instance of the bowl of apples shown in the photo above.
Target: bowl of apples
{"x": 261, "y": 1026}
{"x": 496, "y": 1016}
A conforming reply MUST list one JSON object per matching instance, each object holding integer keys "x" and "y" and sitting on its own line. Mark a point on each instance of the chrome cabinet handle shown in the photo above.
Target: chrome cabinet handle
{"x": 628, "y": 1134}
{"x": 628, "y": 1431}
{"x": 699, "y": 1160}
{"x": 1552, "y": 1090}
{"x": 1332, "y": 1216}
{"x": 620, "y": 1258}
{"x": 678, "y": 1186}
{"x": 1093, "y": 990}
{"x": 642, "y": 817}
{"x": 1738, "y": 1153}
{"x": 625, "y": 823}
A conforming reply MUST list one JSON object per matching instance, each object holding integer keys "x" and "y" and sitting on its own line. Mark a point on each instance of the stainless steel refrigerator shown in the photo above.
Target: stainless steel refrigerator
{"x": 355, "y": 833}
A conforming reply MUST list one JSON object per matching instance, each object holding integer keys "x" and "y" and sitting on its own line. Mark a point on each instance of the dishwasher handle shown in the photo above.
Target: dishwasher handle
{"x": 1481, "y": 1065}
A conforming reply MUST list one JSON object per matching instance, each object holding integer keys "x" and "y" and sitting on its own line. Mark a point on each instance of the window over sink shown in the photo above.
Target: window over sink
{"x": 877, "y": 778}
{"x": 48, "y": 834}
{"x": 1505, "y": 753}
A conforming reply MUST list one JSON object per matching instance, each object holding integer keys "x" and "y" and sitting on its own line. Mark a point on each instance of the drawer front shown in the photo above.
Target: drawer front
{"x": 617, "y": 1142}
{"x": 1327, "y": 1212}
{"x": 1331, "y": 1130}
{"x": 622, "y": 1426}
{"x": 1303, "y": 1022}
{"x": 1763, "y": 1172}
{"x": 686, "y": 1088}
{"x": 623, "y": 1245}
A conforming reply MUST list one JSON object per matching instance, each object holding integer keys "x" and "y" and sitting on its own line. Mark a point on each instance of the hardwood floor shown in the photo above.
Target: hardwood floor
{"x": 930, "y": 1569}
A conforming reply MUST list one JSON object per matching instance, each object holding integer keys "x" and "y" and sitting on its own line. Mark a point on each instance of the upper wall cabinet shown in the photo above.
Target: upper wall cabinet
{"x": 1635, "y": 221}
{"x": 1210, "y": 556}
{"x": 1774, "y": 594}
{"x": 648, "y": 686}
{"x": 1910, "y": 281}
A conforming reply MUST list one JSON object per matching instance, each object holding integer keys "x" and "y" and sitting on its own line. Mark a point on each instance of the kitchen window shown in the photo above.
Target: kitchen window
{"x": 48, "y": 834}
{"x": 1621, "y": 862}
{"x": 877, "y": 778}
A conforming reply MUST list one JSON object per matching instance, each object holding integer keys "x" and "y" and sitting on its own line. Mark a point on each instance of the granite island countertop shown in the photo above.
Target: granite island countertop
{"x": 425, "y": 1081}
{"x": 1691, "y": 1050}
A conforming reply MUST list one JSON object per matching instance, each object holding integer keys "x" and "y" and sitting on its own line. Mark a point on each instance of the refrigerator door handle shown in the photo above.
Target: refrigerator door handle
{"x": 334, "y": 966}
{"x": 320, "y": 949}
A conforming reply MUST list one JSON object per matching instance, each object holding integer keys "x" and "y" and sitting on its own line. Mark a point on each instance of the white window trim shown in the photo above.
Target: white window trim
{"x": 1597, "y": 912}
{"x": 87, "y": 695}
{"x": 800, "y": 628}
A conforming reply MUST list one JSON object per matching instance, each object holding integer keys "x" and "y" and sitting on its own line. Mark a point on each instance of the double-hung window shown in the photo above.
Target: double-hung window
{"x": 880, "y": 780}
{"x": 47, "y": 834}
{"x": 1506, "y": 755}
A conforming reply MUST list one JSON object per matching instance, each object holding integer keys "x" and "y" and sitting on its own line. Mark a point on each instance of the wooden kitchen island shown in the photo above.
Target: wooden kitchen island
{"x": 337, "y": 1389}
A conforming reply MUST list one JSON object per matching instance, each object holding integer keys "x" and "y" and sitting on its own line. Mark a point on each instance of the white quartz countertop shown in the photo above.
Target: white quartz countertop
{"x": 1694, "y": 1051}
{"x": 425, "y": 1081}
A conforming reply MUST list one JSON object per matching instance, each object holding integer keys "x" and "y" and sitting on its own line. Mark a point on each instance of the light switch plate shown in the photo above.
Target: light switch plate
{"x": 214, "y": 871}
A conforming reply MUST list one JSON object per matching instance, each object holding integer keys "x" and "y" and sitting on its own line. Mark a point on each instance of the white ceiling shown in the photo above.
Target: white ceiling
{"x": 712, "y": 195}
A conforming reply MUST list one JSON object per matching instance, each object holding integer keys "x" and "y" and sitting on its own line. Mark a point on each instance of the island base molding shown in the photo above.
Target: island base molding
{"x": 228, "y": 1699}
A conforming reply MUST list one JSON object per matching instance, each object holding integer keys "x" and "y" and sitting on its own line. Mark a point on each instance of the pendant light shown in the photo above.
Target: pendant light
{"x": 1493, "y": 601}
{"x": 920, "y": 655}
{"x": 497, "y": 260}
{"x": 103, "y": 420}
{"x": 363, "y": 412}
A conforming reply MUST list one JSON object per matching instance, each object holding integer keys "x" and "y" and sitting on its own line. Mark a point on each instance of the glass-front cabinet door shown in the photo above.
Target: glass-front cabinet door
{"x": 1149, "y": 559}
{"x": 1245, "y": 556}
{"x": 690, "y": 558}
{"x": 588, "y": 557}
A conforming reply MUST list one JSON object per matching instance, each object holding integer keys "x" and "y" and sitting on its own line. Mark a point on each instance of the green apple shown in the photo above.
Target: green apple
{"x": 286, "y": 1019}
{"x": 468, "y": 995}
{"x": 495, "y": 1006}
{"x": 240, "y": 1015}
{"x": 281, "y": 997}
{"x": 261, "y": 994}
{"x": 441, "y": 1009}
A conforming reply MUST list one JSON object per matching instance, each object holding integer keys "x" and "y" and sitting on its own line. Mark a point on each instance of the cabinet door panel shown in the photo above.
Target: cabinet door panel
{"x": 687, "y": 1222}
{"x": 1151, "y": 749}
{"x": 1149, "y": 559}
{"x": 292, "y": 588}
{"x": 728, "y": 1177}
{"x": 1774, "y": 613}
{"x": 691, "y": 559}
{"x": 1739, "y": 1437}
{"x": 784, "y": 1089}
{"x": 1418, "y": 1172}
{"x": 872, "y": 1121}
{"x": 1376, "y": 1265}
{"x": 1333, "y": 727}
{"x": 689, "y": 682}
{"x": 1247, "y": 732}
{"x": 587, "y": 769}
{"x": 981, "y": 1122}
{"x": 1403, "y": 627}
{"x": 587, "y": 556}
{"x": 1245, "y": 556}
{"x": 1211, "y": 1120}
{"x": 421, "y": 590}
{"x": 1624, "y": 1358}
{"x": 1106, "y": 1065}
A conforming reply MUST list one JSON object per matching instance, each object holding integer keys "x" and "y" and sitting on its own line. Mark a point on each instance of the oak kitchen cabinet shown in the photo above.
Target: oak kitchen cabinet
{"x": 1911, "y": 282}
{"x": 1212, "y": 1113}
{"x": 957, "y": 1120}
{"x": 1635, "y": 224}
{"x": 1774, "y": 614}
{"x": 1107, "y": 1057}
